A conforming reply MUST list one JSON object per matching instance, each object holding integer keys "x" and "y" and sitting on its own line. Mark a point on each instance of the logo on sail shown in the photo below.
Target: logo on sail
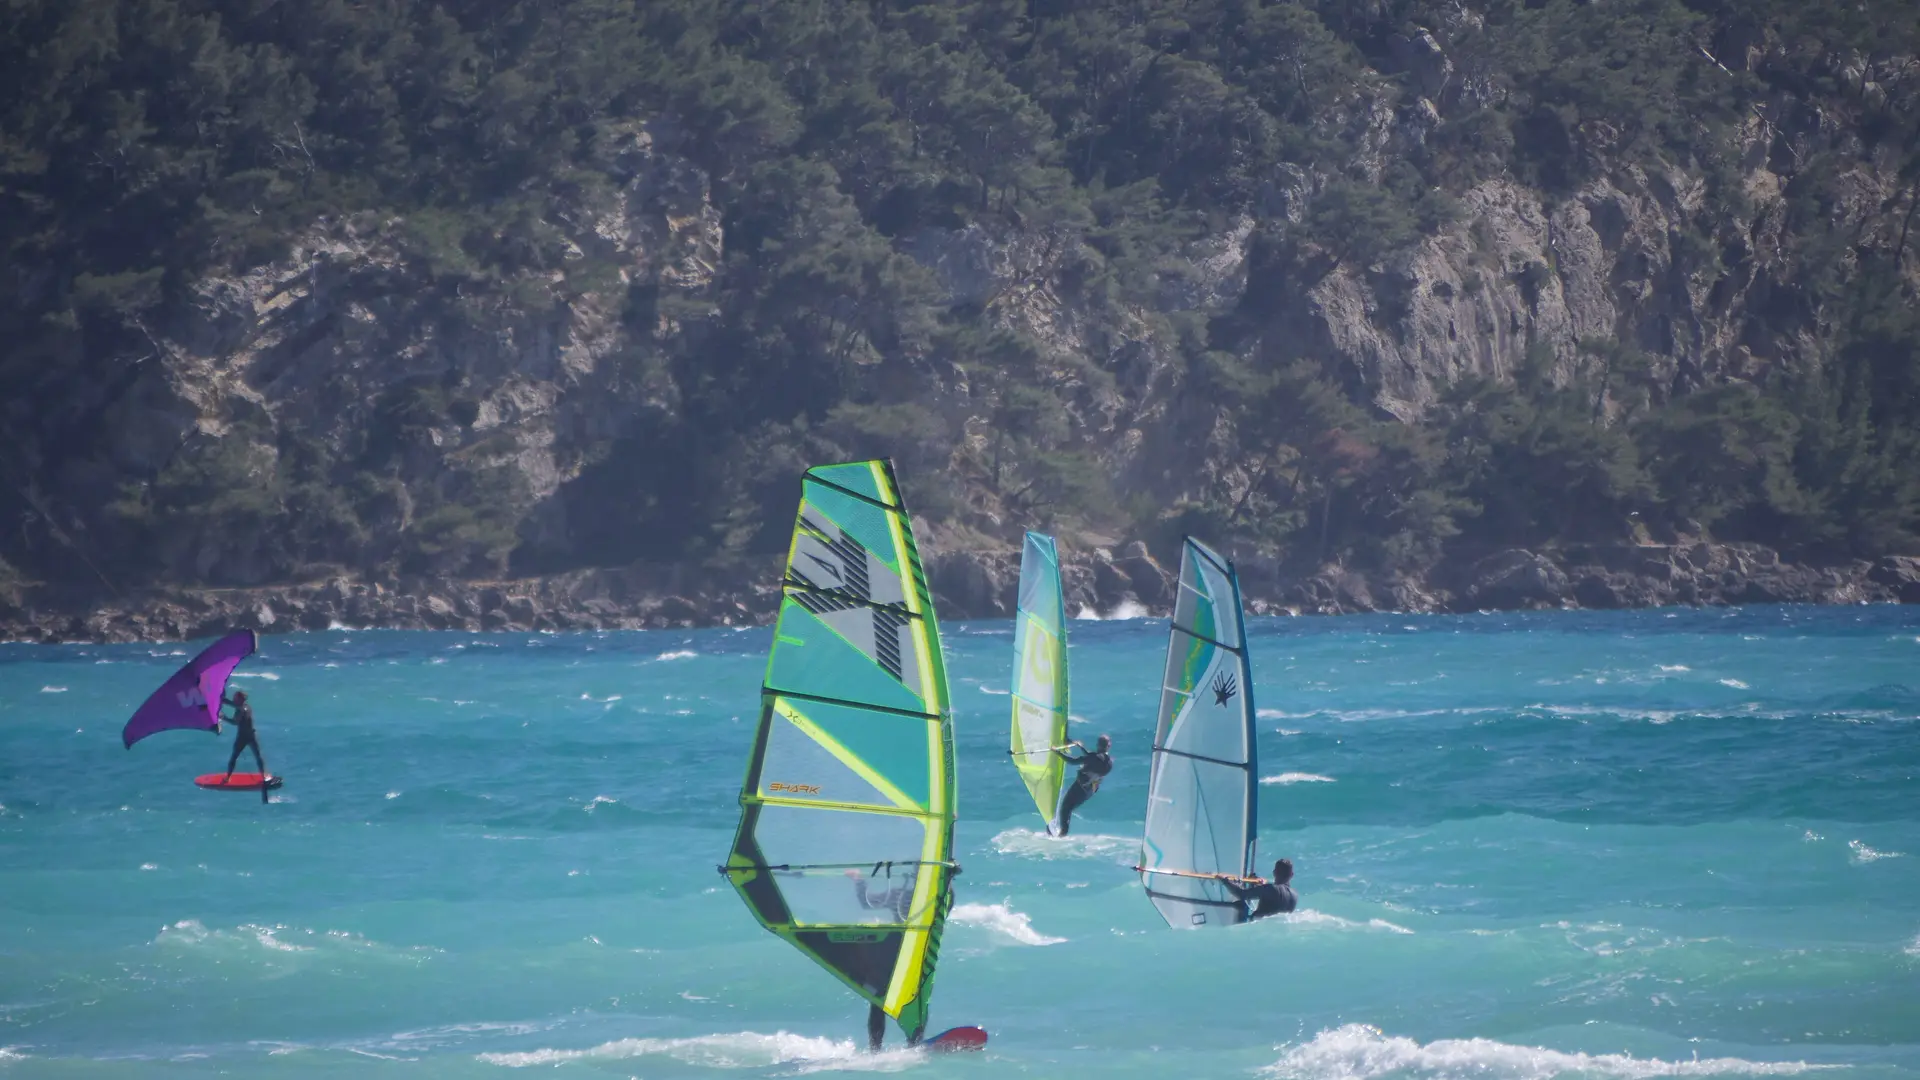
{"x": 191, "y": 698}
{"x": 1224, "y": 687}
{"x": 796, "y": 789}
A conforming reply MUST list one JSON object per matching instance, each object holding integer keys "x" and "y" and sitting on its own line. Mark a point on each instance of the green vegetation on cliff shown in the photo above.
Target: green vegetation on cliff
{"x": 1094, "y": 150}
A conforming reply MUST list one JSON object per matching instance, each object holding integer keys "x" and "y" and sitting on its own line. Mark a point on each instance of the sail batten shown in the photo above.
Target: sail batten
{"x": 845, "y": 842}
{"x": 1202, "y": 798}
{"x": 1040, "y": 675}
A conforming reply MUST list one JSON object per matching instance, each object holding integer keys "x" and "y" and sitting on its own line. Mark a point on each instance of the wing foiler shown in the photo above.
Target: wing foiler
{"x": 1201, "y": 798}
{"x": 845, "y": 845}
{"x": 1040, "y": 675}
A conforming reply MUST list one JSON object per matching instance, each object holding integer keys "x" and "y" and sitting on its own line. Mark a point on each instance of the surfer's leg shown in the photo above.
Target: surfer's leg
{"x": 876, "y": 1027}
{"x": 239, "y": 744}
{"x": 1075, "y": 796}
{"x": 255, "y": 743}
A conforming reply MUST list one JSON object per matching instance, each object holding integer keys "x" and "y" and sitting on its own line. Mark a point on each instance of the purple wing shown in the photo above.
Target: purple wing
{"x": 191, "y": 698}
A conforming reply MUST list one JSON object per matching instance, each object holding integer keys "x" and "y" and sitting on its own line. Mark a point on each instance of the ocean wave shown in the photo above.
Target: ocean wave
{"x": 11, "y": 1053}
{"x": 1735, "y": 683}
{"x": 677, "y": 654}
{"x": 53, "y": 689}
{"x": 983, "y": 688}
{"x": 1298, "y": 778}
{"x": 193, "y": 934}
{"x": 740, "y": 1050}
{"x": 1310, "y": 917}
{"x": 1360, "y": 1052}
{"x": 1035, "y": 844}
{"x": 267, "y": 675}
{"x": 1003, "y": 921}
{"x": 1913, "y": 947}
{"x": 1127, "y": 610}
{"x": 1864, "y": 854}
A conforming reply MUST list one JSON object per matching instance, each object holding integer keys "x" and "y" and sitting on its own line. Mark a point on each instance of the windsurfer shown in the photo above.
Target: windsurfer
{"x": 896, "y": 898}
{"x": 1094, "y": 765}
{"x": 244, "y": 737}
{"x": 1272, "y": 897}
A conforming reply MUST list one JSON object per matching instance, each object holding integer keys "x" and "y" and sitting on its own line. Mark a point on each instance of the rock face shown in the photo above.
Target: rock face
{"x": 966, "y": 585}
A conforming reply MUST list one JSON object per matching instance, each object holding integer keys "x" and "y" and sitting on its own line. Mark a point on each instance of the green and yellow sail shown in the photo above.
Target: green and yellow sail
{"x": 1040, "y": 675}
{"x": 849, "y": 794}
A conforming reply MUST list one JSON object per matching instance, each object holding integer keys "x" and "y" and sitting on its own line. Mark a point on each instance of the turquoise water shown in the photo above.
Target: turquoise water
{"x": 1615, "y": 845}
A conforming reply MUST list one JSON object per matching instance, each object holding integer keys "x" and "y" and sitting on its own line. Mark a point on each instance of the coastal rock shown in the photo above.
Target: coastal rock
{"x": 1517, "y": 578}
{"x": 1901, "y": 574}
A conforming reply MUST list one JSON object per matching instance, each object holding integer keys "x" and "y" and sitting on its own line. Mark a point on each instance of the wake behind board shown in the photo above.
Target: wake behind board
{"x": 953, "y": 1040}
{"x": 240, "y": 781}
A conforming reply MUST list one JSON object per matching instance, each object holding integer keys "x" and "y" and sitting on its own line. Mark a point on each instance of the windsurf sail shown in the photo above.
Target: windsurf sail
{"x": 1040, "y": 675}
{"x": 191, "y": 698}
{"x": 845, "y": 844}
{"x": 1201, "y": 799}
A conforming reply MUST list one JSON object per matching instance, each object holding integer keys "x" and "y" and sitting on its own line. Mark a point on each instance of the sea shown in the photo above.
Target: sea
{"x": 1619, "y": 845}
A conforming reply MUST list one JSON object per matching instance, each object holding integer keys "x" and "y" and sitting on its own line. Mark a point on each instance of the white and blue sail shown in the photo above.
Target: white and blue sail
{"x": 1202, "y": 798}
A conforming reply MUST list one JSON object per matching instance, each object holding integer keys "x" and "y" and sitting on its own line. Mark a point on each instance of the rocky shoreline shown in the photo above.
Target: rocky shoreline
{"x": 966, "y": 584}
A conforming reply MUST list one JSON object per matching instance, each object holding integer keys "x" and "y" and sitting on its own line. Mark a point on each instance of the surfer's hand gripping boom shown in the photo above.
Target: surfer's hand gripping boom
{"x": 1236, "y": 878}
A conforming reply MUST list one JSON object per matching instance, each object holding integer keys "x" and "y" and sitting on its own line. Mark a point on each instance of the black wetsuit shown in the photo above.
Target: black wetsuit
{"x": 899, "y": 899}
{"x": 1094, "y": 765}
{"x": 244, "y": 737}
{"x": 1272, "y": 899}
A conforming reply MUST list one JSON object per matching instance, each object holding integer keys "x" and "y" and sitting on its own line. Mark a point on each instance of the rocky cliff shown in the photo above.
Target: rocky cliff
{"x": 438, "y": 420}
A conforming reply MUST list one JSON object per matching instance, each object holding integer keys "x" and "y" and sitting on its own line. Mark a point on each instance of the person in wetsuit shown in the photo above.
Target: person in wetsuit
{"x": 244, "y": 736}
{"x": 1271, "y": 897}
{"x": 898, "y": 900}
{"x": 1094, "y": 765}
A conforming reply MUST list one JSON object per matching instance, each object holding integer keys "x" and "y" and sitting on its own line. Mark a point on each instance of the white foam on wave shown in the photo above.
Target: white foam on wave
{"x": 11, "y": 1053}
{"x": 1913, "y": 947}
{"x": 1310, "y": 917}
{"x": 1735, "y": 683}
{"x": 1002, "y": 920}
{"x": 1127, "y": 610}
{"x": 677, "y": 654}
{"x": 53, "y": 689}
{"x": 193, "y": 934}
{"x": 1298, "y": 778}
{"x": 995, "y": 693}
{"x": 740, "y": 1050}
{"x": 599, "y": 800}
{"x": 1864, "y": 854}
{"x": 1673, "y": 667}
{"x": 1032, "y": 843}
{"x": 1361, "y": 1052}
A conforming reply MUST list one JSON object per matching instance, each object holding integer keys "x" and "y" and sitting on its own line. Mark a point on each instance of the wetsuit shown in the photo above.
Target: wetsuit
{"x": 899, "y": 899}
{"x": 1272, "y": 899}
{"x": 1094, "y": 765}
{"x": 244, "y": 737}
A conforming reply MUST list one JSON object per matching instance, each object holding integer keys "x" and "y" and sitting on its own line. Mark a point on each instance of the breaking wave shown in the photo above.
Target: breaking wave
{"x": 1361, "y": 1052}
{"x": 1003, "y": 921}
